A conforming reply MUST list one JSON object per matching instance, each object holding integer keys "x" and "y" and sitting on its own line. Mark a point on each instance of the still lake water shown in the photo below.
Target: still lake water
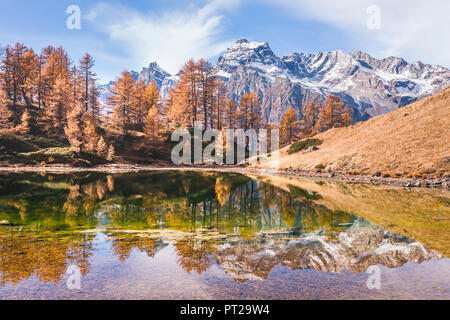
{"x": 190, "y": 235}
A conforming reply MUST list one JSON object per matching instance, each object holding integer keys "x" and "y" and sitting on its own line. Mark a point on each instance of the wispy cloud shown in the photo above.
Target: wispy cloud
{"x": 415, "y": 29}
{"x": 170, "y": 38}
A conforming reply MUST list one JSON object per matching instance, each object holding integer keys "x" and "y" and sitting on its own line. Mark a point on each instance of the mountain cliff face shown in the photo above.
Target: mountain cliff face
{"x": 152, "y": 72}
{"x": 370, "y": 86}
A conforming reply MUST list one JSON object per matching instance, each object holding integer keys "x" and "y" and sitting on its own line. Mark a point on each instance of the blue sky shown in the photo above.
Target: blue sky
{"x": 130, "y": 34}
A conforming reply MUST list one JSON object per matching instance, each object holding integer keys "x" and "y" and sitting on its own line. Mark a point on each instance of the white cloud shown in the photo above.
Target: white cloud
{"x": 170, "y": 38}
{"x": 414, "y": 29}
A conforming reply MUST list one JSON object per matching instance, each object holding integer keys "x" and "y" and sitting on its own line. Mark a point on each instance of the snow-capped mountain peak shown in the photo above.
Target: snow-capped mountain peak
{"x": 244, "y": 52}
{"x": 153, "y": 72}
{"x": 368, "y": 85}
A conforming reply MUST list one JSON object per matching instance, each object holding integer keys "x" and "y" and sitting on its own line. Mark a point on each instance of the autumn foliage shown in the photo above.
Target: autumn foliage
{"x": 48, "y": 94}
{"x": 316, "y": 118}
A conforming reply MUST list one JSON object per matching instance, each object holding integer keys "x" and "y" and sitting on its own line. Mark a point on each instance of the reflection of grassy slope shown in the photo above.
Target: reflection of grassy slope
{"x": 421, "y": 215}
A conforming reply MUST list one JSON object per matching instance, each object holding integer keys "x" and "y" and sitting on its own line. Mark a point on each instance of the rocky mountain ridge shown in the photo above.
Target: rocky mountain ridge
{"x": 369, "y": 86}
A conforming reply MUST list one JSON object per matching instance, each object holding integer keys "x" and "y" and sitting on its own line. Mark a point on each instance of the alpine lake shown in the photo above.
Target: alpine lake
{"x": 210, "y": 235}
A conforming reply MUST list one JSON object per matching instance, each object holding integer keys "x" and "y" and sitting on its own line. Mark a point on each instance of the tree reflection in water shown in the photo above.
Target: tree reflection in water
{"x": 244, "y": 224}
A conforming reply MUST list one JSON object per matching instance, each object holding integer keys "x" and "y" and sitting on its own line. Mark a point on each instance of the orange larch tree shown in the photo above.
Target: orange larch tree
{"x": 230, "y": 115}
{"x": 19, "y": 72}
{"x": 289, "y": 127}
{"x": 74, "y": 128}
{"x": 89, "y": 91}
{"x": 90, "y": 135}
{"x": 332, "y": 115}
{"x": 121, "y": 99}
{"x": 26, "y": 123}
{"x": 5, "y": 113}
{"x": 140, "y": 108}
{"x": 154, "y": 128}
{"x": 310, "y": 118}
{"x": 182, "y": 103}
{"x": 250, "y": 113}
{"x": 219, "y": 99}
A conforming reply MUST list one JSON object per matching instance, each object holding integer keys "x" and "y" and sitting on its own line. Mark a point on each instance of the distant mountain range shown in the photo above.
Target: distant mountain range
{"x": 370, "y": 86}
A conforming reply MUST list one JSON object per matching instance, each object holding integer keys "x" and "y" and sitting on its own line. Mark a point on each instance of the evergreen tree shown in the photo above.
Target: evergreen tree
{"x": 55, "y": 69}
{"x": 28, "y": 75}
{"x": 180, "y": 110}
{"x": 218, "y": 103}
{"x": 94, "y": 99}
{"x": 347, "y": 119}
{"x": 19, "y": 71}
{"x": 183, "y": 101}
{"x": 205, "y": 91}
{"x": 197, "y": 96}
{"x": 59, "y": 104}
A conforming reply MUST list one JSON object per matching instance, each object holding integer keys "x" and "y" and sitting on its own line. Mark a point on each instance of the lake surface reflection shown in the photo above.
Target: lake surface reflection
{"x": 190, "y": 235}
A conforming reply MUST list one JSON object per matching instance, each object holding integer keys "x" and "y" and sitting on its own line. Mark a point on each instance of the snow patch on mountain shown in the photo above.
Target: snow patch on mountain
{"x": 370, "y": 86}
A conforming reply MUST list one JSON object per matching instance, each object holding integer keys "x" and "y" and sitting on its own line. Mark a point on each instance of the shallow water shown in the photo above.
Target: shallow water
{"x": 186, "y": 235}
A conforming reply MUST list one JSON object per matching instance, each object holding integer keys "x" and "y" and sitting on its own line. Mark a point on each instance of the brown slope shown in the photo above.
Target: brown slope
{"x": 411, "y": 141}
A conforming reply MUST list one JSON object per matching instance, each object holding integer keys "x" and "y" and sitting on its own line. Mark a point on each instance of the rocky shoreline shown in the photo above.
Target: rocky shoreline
{"x": 440, "y": 183}
{"x": 437, "y": 183}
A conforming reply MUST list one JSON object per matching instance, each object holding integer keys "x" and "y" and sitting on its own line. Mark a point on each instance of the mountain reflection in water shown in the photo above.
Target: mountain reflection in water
{"x": 246, "y": 225}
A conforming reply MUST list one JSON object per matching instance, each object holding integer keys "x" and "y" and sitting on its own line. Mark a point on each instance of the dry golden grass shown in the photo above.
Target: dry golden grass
{"x": 412, "y": 141}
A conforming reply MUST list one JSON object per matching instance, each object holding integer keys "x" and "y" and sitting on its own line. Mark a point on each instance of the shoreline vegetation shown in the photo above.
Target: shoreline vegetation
{"x": 435, "y": 183}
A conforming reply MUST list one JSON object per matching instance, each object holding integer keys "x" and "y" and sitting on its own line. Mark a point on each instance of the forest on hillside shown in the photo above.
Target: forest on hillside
{"x": 50, "y": 105}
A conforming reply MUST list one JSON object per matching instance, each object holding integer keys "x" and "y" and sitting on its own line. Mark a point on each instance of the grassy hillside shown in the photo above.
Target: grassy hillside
{"x": 38, "y": 150}
{"x": 17, "y": 149}
{"x": 410, "y": 142}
